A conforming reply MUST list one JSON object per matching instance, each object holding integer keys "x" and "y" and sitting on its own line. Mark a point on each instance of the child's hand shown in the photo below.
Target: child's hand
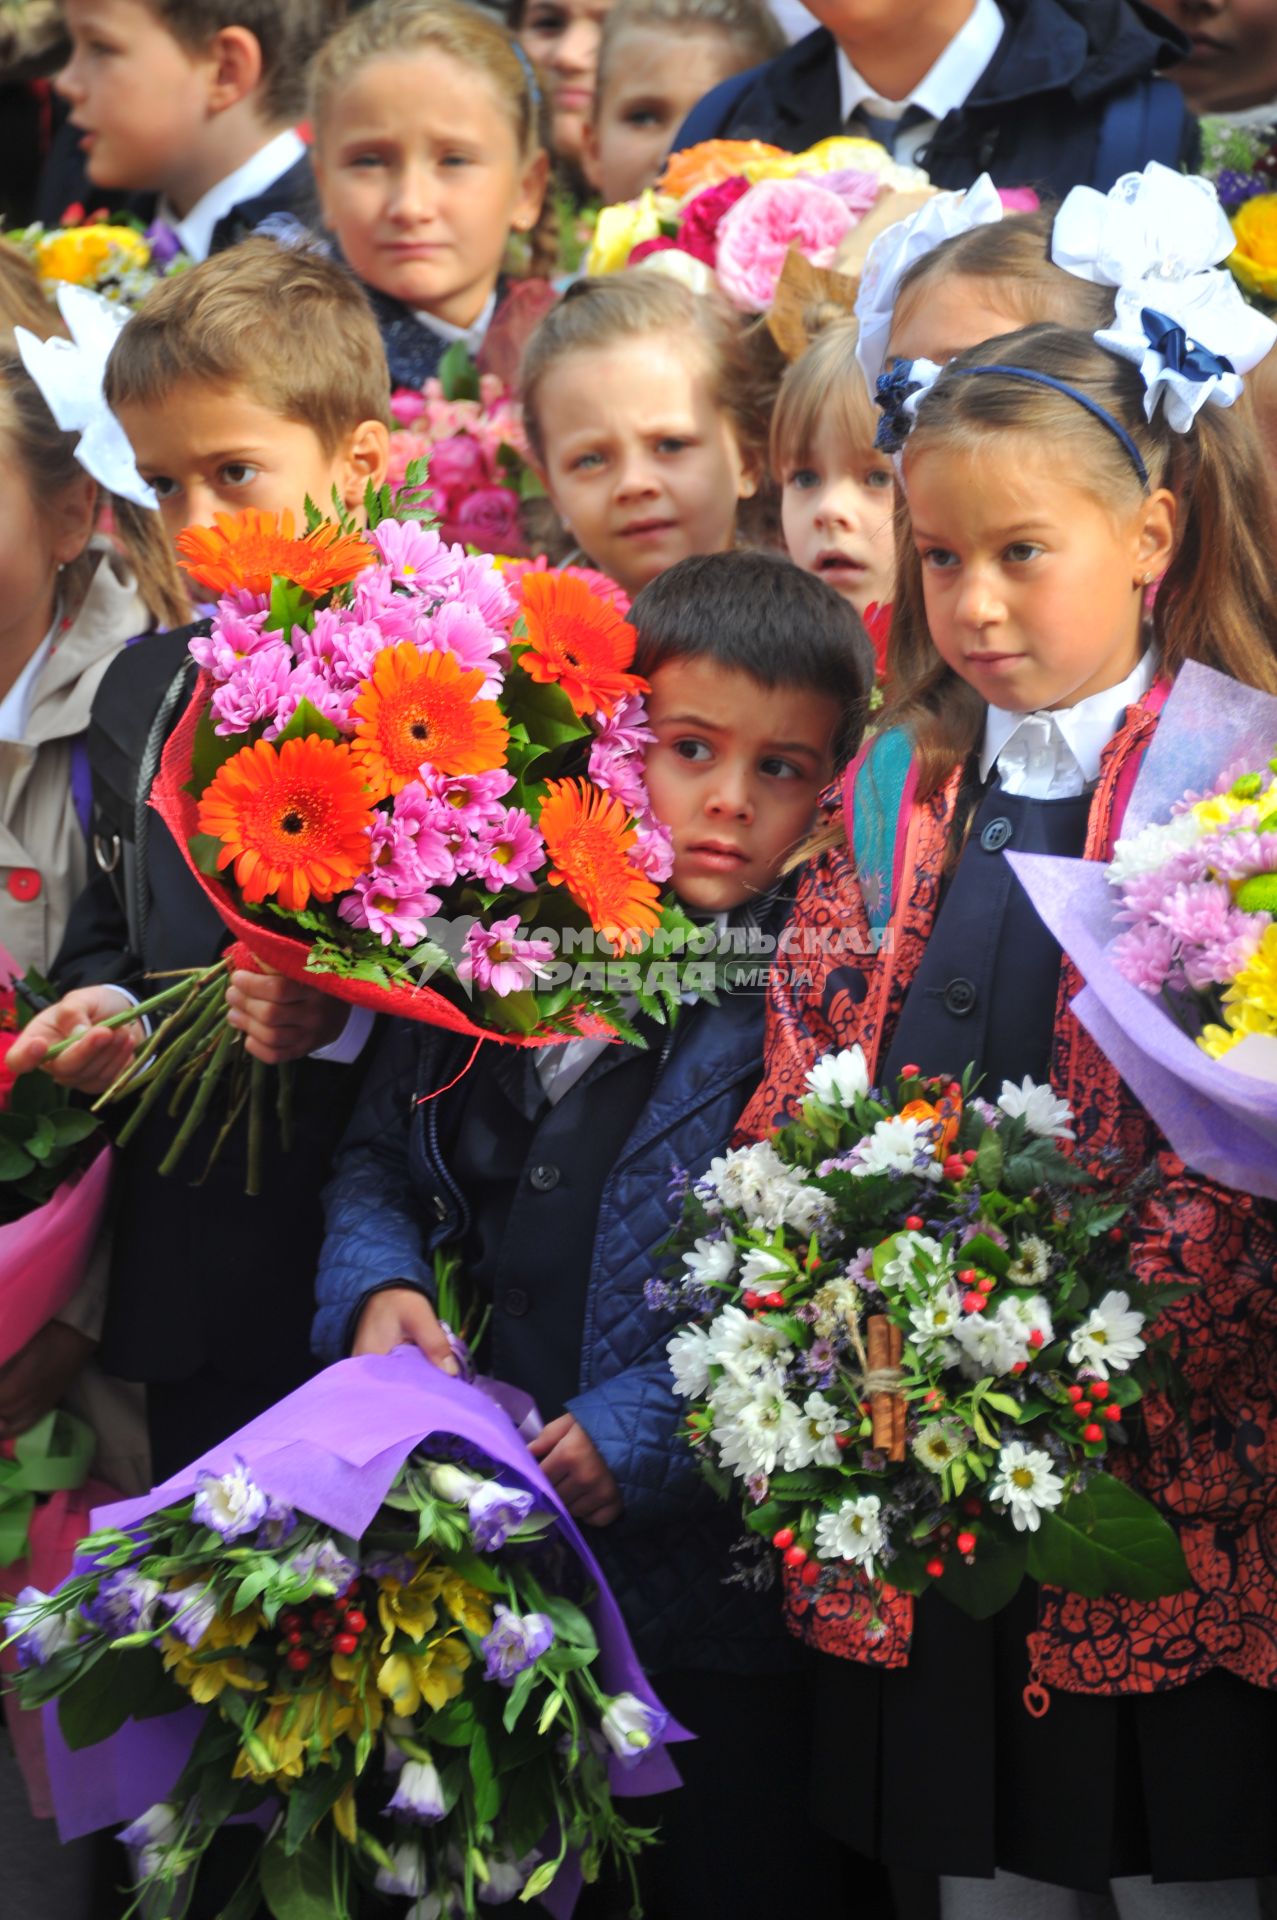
{"x": 402, "y": 1317}
{"x": 281, "y": 1019}
{"x": 99, "y": 1058}
{"x": 577, "y": 1470}
{"x": 35, "y": 1379}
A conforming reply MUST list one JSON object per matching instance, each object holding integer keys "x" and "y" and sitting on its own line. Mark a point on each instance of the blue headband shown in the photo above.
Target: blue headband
{"x": 1093, "y": 407}
{"x": 529, "y": 74}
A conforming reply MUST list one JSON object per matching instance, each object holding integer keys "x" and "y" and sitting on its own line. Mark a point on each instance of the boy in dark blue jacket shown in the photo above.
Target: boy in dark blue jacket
{"x": 550, "y": 1171}
{"x": 1049, "y": 94}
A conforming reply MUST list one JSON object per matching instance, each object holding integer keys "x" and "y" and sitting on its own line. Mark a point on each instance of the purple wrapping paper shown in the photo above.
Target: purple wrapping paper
{"x": 1220, "y": 1122}
{"x": 333, "y": 1449}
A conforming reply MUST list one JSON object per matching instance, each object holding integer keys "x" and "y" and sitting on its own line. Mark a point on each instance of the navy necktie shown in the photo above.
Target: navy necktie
{"x": 885, "y": 128}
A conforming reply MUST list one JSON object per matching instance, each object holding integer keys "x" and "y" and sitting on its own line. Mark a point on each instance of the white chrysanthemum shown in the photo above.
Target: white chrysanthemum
{"x": 1026, "y": 1483}
{"x": 938, "y": 1445}
{"x": 756, "y": 1182}
{"x": 1032, "y": 1263}
{"x": 917, "y": 1259}
{"x": 853, "y": 1533}
{"x": 710, "y": 1262}
{"x": 1023, "y": 1318}
{"x": 752, "y": 1433}
{"x": 990, "y": 1345}
{"x": 1043, "y": 1113}
{"x": 758, "y": 1265}
{"x": 899, "y": 1146}
{"x": 834, "y": 1304}
{"x": 689, "y": 1361}
{"x": 1152, "y": 847}
{"x": 1109, "y": 1338}
{"x": 737, "y": 1340}
{"x": 812, "y": 1442}
{"x": 840, "y": 1078}
{"x": 934, "y": 1321}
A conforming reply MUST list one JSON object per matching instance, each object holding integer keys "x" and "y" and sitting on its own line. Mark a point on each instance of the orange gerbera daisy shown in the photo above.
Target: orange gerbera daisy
{"x": 294, "y": 819}
{"x": 252, "y": 548}
{"x": 588, "y": 838}
{"x": 578, "y": 640}
{"x": 422, "y": 709}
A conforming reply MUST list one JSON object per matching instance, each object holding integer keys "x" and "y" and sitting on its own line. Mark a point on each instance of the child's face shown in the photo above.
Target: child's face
{"x": 208, "y": 451}
{"x": 137, "y": 95}
{"x": 1233, "y": 63}
{"x": 735, "y": 773}
{"x": 561, "y": 38}
{"x": 640, "y": 462}
{"x": 946, "y": 317}
{"x": 836, "y": 511}
{"x": 653, "y": 81}
{"x": 421, "y": 180}
{"x": 1034, "y": 589}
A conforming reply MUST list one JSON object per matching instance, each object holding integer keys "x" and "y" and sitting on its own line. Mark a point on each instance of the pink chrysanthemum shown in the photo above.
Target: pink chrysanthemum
{"x": 235, "y": 638}
{"x": 417, "y": 853}
{"x": 1145, "y": 956}
{"x": 618, "y": 772}
{"x": 389, "y": 906}
{"x": 307, "y": 682}
{"x": 506, "y": 852}
{"x": 654, "y": 849}
{"x": 415, "y": 555}
{"x": 463, "y": 632}
{"x": 497, "y": 960}
{"x": 472, "y": 800}
{"x": 254, "y": 690}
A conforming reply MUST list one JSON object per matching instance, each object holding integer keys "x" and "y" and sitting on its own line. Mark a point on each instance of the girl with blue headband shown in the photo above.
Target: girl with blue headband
{"x": 1051, "y": 479}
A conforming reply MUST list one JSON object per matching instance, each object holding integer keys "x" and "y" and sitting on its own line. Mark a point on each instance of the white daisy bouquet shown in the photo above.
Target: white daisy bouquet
{"x": 918, "y": 1350}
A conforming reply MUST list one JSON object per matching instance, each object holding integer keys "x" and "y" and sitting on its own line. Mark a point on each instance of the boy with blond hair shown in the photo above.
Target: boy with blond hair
{"x": 210, "y": 1295}
{"x": 190, "y": 108}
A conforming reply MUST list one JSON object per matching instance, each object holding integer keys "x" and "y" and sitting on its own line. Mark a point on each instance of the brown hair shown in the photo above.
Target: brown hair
{"x": 286, "y": 324}
{"x": 47, "y": 455}
{"x": 464, "y": 34}
{"x": 621, "y": 306}
{"x": 1214, "y": 603}
{"x": 823, "y": 387}
{"x": 288, "y": 32}
{"x": 1014, "y": 254}
{"x": 747, "y": 26}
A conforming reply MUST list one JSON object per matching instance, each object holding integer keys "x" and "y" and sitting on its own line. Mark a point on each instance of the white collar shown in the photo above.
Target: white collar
{"x": 1050, "y": 755}
{"x": 15, "y": 708}
{"x": 251, "y": 178}
{"x": 472, "y": 336}
{"x": 946, "y": 84}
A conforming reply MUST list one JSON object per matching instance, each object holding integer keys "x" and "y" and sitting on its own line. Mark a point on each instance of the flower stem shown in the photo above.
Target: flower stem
{"x": 180, "y": 1050}
{"x": 256, "y": 1123}
{"x": 144, "y": 1007}
{"x": 200, "y": 1104}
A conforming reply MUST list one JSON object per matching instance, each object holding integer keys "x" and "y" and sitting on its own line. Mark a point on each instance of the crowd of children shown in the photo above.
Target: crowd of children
{"x": 1012, "y": 554}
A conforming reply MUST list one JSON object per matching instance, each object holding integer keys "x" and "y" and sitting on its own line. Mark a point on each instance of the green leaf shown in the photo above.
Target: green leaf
{"x": 1106, "y": 1538}
{"x": 244, "y": 1904}
{"x": 314, "y": 1795}
{"x": 458, "y": 375}
{"x": 209, "y": 751}
{"x": 990, "y": 1582}
{"x": 290, "y": 606}
{"x": 980, "y": 1251}
{"x": 569, "y": 1622}
{"x": 298, "y": 1886}
{"x": 988, "y": 1160}
{"x": 72, "y": 1125}
{"x": 545, "y": 711}
{"x": 308, "y": 720}
{"x": 138, "y": 1688}
{"x": 14, "y": 1162}
{"x": 518, "y": 1699}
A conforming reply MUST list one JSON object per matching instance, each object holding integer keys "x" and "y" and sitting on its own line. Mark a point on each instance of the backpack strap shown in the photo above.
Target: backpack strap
{"x": 878, "y": 795}
{"x": 1145, "y": 121}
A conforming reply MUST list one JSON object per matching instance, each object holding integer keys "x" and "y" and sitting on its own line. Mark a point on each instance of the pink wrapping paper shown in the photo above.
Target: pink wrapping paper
{"x": 43, "y": 1255}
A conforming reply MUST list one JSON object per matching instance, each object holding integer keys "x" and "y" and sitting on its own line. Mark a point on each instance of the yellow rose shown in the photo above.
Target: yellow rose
{"x": 1254, "y": 258}
{"x": 79, "y": 254}
{"x": 620, "y": 229}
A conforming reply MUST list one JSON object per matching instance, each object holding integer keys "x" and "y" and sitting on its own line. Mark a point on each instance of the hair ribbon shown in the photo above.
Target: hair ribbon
{"x": 70, "y": 373}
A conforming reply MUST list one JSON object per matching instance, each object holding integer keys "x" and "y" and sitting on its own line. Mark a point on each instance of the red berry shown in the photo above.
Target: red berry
{"x": 356, "y": 1621}
{"x": 985, "y": 1284}
{"x": 1019, "y": 1366}
{"x": 346, "y": 1643}
{"x": 1116, "y": 1236}
{"x": 910, "y": 1073}
{"x": 810, "y": 1574}
{"x": 751, "y": 1300}
{"x": 1111, "y": 1413}
{"x": 1092, "y": 1433}
{"x": 795, "y": 1556}
{"x": 914, "y": 1223}
{"x": 842, "y": 1439}
{"x": 966, "y": 1543}
{"x": 967, "y": 1276}
{"x": 955, "y": 1167}
{"x": 782, "y": 1538}
{"x": 298, "y": 1659}
{"x": 289, "y": 1617}
{"x": 773, "y": 1300}
{"x": 1075, "y": 1394}
{"x": 933, "y": 1397}
{"x": 935, "y": 1568}
{"x": 1099, "y": 1389}
{"x": 974, "y": 1303}
{"x": 293, "y": 1635}
{"x": 971, "y": 1156}
{"x": 1035, "y": 1339}
{"x": 971, "y": 1506}
{"x": 1082, "y": 1409}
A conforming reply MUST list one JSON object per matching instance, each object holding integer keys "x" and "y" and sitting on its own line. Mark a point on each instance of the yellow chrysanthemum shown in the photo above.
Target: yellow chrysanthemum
{"x": 434, "y": 1676}
{"x": 1250, "y": 1004}
{"x": 79, "y": 254}
{"x": 409, "y": 1609}
{"x": 1221, "y": 808}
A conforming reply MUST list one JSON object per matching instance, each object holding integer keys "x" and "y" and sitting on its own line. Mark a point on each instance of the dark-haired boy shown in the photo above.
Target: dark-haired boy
{"x": 189, "y": 107}
{"x": 549, "y": 1171}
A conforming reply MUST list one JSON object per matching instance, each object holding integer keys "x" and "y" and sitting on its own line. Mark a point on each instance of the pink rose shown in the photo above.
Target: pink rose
{"x": 857, "y": 191}
{"x": 488, "y": 519}
{"x": 406, "y": 406}
{"x": 759, "y": 230}
{"x": 702, "y": 216}
{"x": 459, "y": 465}
{"x": 1018, "y": 200}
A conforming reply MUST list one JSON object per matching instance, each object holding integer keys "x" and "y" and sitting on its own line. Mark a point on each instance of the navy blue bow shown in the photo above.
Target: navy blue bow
{"x": 1181, "y": 355}
{"x": 893, "y": 389}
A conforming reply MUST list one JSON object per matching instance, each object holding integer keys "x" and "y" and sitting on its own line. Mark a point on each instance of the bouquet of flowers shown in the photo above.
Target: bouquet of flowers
{"x": 113, "y": 255}
{"x": 368, "y": 1624}
{"x": 1241, "y": 161}
{"x": 916, "y": 1345}
{"x": 726, "y": 213}
{"x": 1177, "y": 936}
{"x": 468, "y": 432}
{"x": 382, "y": 772}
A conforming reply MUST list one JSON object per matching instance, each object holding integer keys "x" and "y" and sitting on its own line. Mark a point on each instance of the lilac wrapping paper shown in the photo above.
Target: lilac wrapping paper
{"x": 333, "y": 1449}
{"x": 1220, "y": 1122}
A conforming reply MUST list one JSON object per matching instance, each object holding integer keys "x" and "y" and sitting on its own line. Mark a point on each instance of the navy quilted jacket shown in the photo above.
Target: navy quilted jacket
{"x": 392, "y": 1201}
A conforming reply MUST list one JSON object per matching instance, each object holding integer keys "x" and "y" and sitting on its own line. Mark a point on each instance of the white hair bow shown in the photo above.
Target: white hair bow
{"x": 1157, "y": 224}
{"x": 69, "y": 374}
{"x": 1191, "y": 339}
{"x": 896, "y": 250}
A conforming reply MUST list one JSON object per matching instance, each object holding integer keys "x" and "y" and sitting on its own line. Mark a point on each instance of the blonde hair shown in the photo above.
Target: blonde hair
{"x": 1013, "y": 257}
{"x": 288, "y": 34}
{"x": 824, "y": 387}
{"x": 1214, "y": 603}
{"x": 290, "y": 327}
{"x": 747, "y": 26}
{"x": 472, "y": 39}
{"x": 46, "y": 455}
{"x": 627, "y": 306}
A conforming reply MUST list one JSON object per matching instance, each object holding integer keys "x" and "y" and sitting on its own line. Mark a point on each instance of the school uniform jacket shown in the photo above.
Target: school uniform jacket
{"x": 1212, "y": 1469}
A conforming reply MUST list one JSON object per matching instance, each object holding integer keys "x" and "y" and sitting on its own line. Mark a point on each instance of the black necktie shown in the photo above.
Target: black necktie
{"x": 885, "y": 128}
